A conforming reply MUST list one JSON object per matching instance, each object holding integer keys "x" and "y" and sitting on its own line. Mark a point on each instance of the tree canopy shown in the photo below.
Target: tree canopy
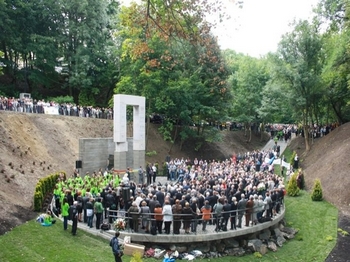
{"x": 166, "y": 51}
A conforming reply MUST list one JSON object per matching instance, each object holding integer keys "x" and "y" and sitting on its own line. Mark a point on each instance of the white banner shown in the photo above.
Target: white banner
{"x": 51, "y": 110}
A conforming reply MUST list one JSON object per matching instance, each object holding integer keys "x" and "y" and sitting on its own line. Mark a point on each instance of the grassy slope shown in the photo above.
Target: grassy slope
{"x": 317, "y": 221}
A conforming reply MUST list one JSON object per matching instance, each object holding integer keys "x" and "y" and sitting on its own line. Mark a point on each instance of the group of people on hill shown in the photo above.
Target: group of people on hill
{"x": 220, "y": 193}
{"x": 29, "y": 105}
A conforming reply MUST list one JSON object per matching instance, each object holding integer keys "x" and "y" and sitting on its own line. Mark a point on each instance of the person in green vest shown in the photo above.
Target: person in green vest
{"x": 98, "y": 210}
{"x": 65, "y": 213}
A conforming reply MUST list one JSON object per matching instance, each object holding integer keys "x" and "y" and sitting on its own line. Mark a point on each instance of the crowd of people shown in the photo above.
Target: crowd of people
{"x": 241, "y": 191}
{"x": 29, "y": 105}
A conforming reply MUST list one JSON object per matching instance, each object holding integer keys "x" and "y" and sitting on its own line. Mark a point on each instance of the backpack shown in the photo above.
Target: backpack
{"x": 153, "y": 230}
{"x": 105, "y": 226}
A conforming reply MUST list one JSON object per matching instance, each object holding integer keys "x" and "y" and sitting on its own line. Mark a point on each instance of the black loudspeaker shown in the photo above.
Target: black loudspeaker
{"x": 78, "y": 164}
{"x": 126, "y": 193}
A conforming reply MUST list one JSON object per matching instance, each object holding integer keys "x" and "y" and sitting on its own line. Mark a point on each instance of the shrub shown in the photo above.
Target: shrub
{"x": 329, "y": 238}
{"x": 151, "y": 153}
{"x": 136, "y": 257}
{"x": 292, "y": 187}
{"x": 316, "y": 194}
{"x": 257, "y": 255}
{"x": 291, "y": 160}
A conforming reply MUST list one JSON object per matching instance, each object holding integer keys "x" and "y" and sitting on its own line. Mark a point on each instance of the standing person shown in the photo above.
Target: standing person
{"x": 145, "y": 215}
{"x": 195, "y": 208}
{"x": 188, "y": 216}
{"x": 98, "y": 210}
{"x": 134, "y": 213}
{"x": 218, "y": 207}
{"x": 206, "y": 211}
{"x": 177, "y": 211}
{"x": 249, "y": 211}
{"x": 65, "y": 213}
{"x": 154, "y": 169}
{"x": 158, "y": 216}
{"x": 241, "y": 209}
{"x": 234, "y": 204}
{"x": 149, "y": 172}
{"x": 225, "y": 214}
{"x": 114, "y": 243}
{"x": 141, "y": 174}
{"x": 73, "y": 214}
{"x": 167, "y": 216}
{"x": 90, "y": 212}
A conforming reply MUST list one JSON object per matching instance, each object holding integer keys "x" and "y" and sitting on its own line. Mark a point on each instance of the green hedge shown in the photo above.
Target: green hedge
{"x": 44, "y": 186}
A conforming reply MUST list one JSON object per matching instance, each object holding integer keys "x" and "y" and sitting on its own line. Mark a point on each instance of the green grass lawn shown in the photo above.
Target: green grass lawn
{"x": 317, "y": 222}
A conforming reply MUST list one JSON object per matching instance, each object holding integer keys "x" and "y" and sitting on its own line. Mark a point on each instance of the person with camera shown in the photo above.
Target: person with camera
{"x": 117, "y": 252}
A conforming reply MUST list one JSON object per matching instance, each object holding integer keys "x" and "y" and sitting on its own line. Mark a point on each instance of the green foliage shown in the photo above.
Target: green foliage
{"x": 86, "y": 98}
{"x": 257, "y": 255}
{"x": 292, "y": 187}
{"x": 136, "y": 257}
{"x": 343, "y": 232}
{"x": 291, "y": 159}
{"x": 62, "y": 99}
{"x": 165, "y": 169}
{"x": 43, "y": 187}
{"x": 316, "y": 194}
{"x": 329, "y": 238}
{"x": 151, "y": 153}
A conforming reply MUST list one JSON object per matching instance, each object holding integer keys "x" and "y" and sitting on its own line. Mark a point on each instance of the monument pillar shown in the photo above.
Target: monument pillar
{"x": 120, "y": 131}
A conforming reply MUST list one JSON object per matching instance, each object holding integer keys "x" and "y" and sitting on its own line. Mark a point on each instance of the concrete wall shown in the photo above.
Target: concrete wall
{"x": 94, "y": 153}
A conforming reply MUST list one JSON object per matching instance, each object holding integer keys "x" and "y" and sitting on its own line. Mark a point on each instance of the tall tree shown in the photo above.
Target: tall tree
{"x": 247, "y": 84}
{"x": 298, "y": 68}
{"x": 181, "y": 79}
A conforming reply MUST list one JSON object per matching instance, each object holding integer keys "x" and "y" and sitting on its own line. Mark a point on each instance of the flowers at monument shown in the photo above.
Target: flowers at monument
{"x": 261, "y": 187}
{"x": 119, "y": 224}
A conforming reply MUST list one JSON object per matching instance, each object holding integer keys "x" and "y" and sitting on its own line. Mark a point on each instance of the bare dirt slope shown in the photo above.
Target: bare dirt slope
{"x": 329, "y": 161}
{"x": 33, "y": 146}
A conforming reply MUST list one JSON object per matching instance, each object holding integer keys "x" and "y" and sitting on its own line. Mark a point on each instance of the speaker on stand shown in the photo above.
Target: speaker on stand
{"x": 78, "y": 165}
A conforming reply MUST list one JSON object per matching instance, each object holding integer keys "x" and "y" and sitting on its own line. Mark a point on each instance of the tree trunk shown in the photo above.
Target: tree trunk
{"x": 250, "y": 134}
{"x": 262, "y": 130}
{"x": 306, "y": 136}
{"x": 175, "y": 137}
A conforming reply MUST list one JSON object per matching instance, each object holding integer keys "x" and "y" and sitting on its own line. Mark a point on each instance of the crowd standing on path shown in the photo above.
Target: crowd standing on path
{"x": 238, "y": 192}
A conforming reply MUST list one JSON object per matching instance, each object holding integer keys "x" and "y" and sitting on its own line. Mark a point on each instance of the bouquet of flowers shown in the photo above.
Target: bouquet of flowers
{"x": 261, "y": 187}
{"x": 119, "y": 224}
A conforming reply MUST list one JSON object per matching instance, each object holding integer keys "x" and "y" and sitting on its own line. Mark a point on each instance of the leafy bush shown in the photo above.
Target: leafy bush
{"x": 257, "y": 255}
{"x": 343, "y": 232}
{"x": 291, "y": 160}
{"x": 329, "y": 238}
{"x": 151, "y": 153}
{"x": 136, "y": 257}
{"x": 292, "y": 187}
{"x": 316, "y": 194}
{"x": 62, "y": 99}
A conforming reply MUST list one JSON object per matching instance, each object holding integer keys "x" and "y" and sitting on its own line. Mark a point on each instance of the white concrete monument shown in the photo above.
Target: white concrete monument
{"x": 123, "y": 153}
